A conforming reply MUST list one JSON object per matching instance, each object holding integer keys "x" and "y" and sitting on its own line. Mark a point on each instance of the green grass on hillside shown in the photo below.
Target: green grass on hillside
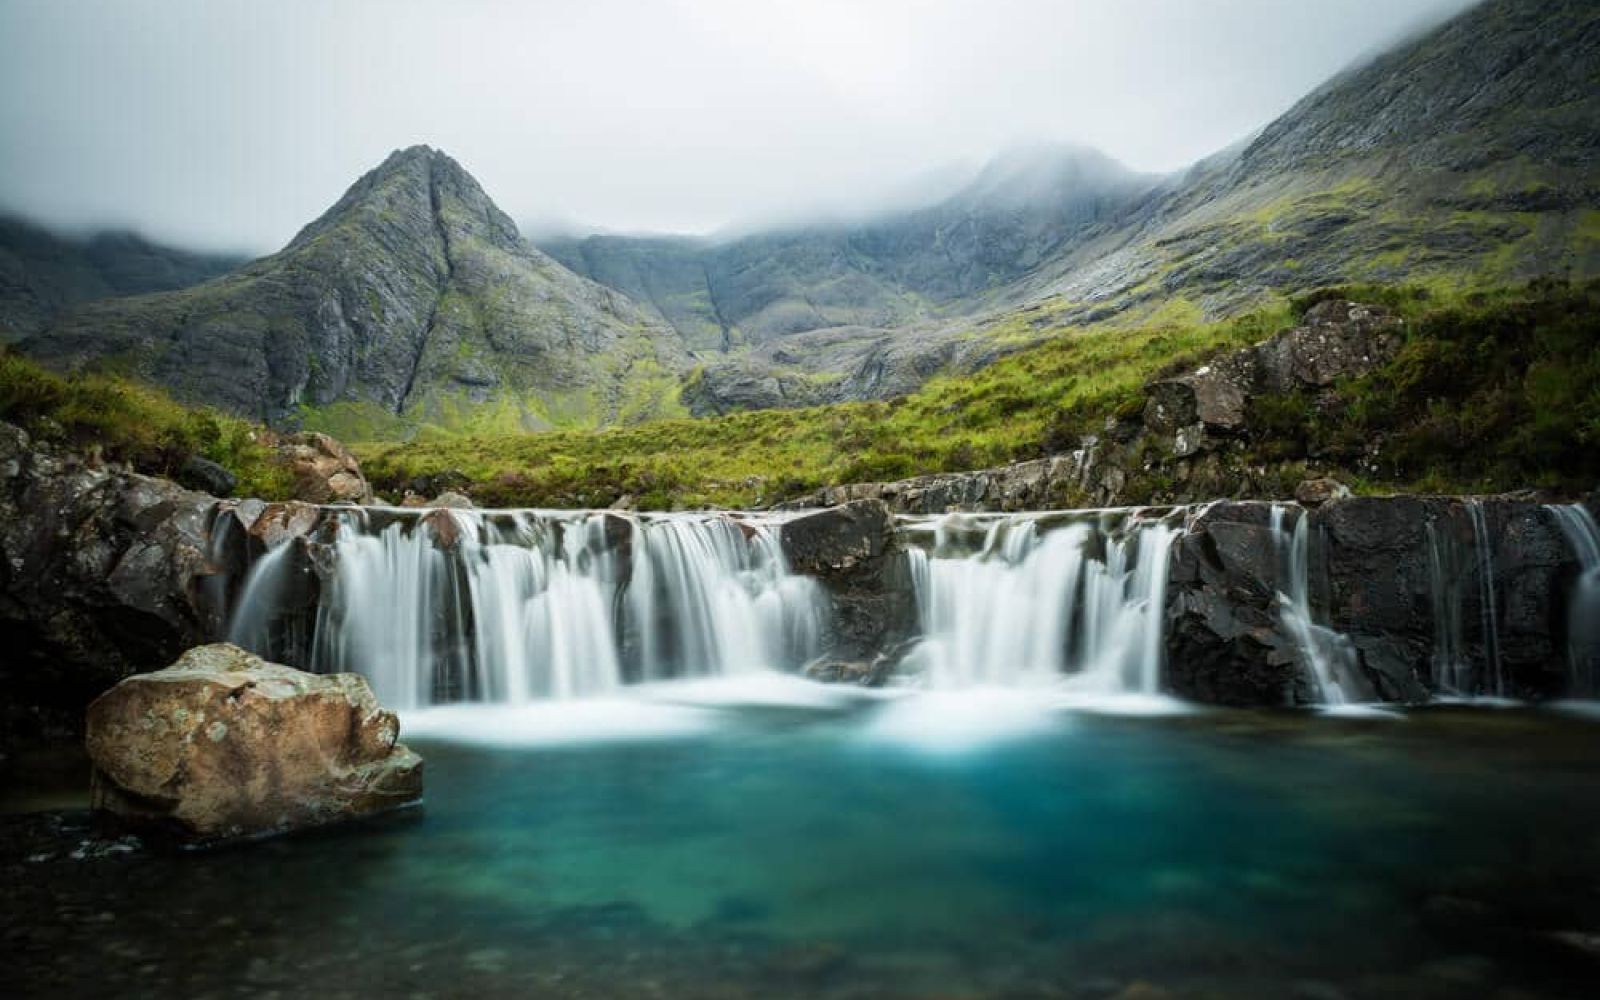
{"x": 1493, "y": 390}
{"x": 130, "y": 422}
{"x": 1024, "y": 406}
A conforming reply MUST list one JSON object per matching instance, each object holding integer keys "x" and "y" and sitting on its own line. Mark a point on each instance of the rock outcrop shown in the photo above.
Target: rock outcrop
{"x": 1189, "y": 437}
{"x": 223, "y": 744}
{"x": 1415, "y": 606}
{"x": 322, "y": 469}
{"x": 854, "y": 552}
{"x": 103, "y": 573}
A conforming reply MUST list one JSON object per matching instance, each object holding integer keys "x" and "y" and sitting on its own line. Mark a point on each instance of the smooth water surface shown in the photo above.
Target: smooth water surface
{"x": 791, "y": 840}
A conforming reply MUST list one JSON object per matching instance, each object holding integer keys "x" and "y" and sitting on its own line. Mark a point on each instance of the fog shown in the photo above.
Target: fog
{"x": 228, "y": 125}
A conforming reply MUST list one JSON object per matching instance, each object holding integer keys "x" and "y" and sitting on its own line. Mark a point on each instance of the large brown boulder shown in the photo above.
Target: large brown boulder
{"x": 223, "y": 744}
{"x": 324, "y": 471}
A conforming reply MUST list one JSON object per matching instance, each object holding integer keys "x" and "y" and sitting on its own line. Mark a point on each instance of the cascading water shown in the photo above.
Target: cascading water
{"x": 1459, "y": 572}
{"x": 1079, "y": 602}
{"x": 1329, "y": 658}
{"x": 1483, "y": 546}
{"x": 519, "y": 605}
{"x": 1583, "y": 607}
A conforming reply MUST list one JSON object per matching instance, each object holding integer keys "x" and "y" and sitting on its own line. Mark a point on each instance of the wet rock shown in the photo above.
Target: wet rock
{"x": 864, "y": 673}
{"x": 206, "y": 476}
{"x": 451, "y": 500}
{"x": 840, "y": 541}
{"x": 278, "y": 523}
{"x": 853, "y": 551}
{"x": 223, "y": 744}
{"x": 102, "y": 573}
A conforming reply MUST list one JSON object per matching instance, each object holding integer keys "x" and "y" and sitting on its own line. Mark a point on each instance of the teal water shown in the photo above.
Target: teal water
{"x": 849, "y": 847}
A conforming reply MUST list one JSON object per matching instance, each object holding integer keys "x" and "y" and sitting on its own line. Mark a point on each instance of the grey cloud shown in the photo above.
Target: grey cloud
{"x": 227, "y": 124}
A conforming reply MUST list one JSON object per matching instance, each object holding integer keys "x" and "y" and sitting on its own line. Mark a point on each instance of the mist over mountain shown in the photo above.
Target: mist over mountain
{"x": 43, "y": 273}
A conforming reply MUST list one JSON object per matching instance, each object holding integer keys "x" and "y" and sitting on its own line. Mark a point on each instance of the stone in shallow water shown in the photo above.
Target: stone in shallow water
{"x": 224, "y": 744}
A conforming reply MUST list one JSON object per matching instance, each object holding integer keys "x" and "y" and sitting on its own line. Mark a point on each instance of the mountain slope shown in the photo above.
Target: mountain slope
{"x": 1469, "y": 155}
{"x": 887, "y": 271}
{"x": 412, "y": 300}
{"x": 43, "y": 273}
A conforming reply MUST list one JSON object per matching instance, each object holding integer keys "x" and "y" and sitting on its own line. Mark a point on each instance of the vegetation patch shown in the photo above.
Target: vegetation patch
{"x": 127, "y": 421}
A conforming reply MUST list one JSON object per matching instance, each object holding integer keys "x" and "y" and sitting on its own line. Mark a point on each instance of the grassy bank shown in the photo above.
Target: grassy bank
{"x": 1494, "y": 390}
{"x": 125, "y": 421}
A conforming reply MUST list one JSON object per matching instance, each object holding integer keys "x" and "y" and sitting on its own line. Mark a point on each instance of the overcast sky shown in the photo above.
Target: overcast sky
{"x": 229, "y": 125}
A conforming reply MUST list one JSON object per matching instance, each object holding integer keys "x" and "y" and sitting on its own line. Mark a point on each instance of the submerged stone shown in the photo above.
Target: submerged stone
{"x": 223, "y": 744}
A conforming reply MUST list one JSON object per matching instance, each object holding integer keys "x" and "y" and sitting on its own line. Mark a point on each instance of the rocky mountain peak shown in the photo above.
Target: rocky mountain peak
{"x": 413, "y": 185}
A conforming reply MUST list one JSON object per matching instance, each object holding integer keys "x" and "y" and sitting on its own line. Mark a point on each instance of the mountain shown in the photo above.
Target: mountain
{"x": 1465, "y": 155}
{"x": 1470, "y": 154}
{"x": 42, "y": 273}
{"x": 411, "y": 301}
{"x": 887, "y": 271}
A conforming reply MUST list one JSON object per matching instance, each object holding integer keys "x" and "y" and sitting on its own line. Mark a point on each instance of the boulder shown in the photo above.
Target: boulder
{"x": 323, "y": 470}
{"x": 853, "y": 551}
{"x": 1336, "y": 339}
{"x": 223, "y": 744}
{"x": 1316, "y": 492}
{"x": 206, "y": 476}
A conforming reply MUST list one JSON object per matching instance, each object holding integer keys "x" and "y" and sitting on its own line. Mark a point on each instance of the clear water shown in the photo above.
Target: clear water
{"x": 783, "y": 839}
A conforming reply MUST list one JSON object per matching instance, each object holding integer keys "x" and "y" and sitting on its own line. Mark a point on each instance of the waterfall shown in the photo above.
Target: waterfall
{"x": 511, "y": 606}
{"x": 1329, "y": 657}
{"x": 1483, "y": 546}
{"x": 1455, "y": 570}
{"x": 1583, "y": 606}
{"x": 1452, "y": 670}
{"x": 1039, "y": 601}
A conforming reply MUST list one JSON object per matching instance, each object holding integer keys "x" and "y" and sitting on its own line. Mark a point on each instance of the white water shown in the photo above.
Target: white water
{"x": 1452, "y": 566}
{"x": 526, "y": 605}
{"x": 1328, "y": 657}
{"x": 1080, "y": 604}
{"x": 1483, "y": 546}
{"x": 1583, "y": 606}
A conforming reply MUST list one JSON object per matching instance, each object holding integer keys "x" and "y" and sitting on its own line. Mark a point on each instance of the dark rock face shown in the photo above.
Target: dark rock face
{"x": 853, "y": 551}
{"x": 223, "y": 745}
{"x": 1387, "y": 573}
{"x": 102, "y": 574}
{"x": 414, "y": 294}
{"x": 1225, "y": 643}
{"x": 205, "y": 476}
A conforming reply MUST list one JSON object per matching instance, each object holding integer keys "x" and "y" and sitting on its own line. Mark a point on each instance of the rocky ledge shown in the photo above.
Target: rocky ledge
{"x": 223, "y": 744}
{"x": 1187, "y": 444}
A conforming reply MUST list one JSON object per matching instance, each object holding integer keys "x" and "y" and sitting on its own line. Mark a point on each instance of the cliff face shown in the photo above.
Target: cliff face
{"x": 410, "y": 299}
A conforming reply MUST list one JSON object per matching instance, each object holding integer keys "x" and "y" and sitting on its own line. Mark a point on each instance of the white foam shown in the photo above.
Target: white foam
{"x": 957, "y": 721}
{"x": 547, "y": 723}
{"x": 1360, "y": 710}
{"x": 755, "y": 689}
